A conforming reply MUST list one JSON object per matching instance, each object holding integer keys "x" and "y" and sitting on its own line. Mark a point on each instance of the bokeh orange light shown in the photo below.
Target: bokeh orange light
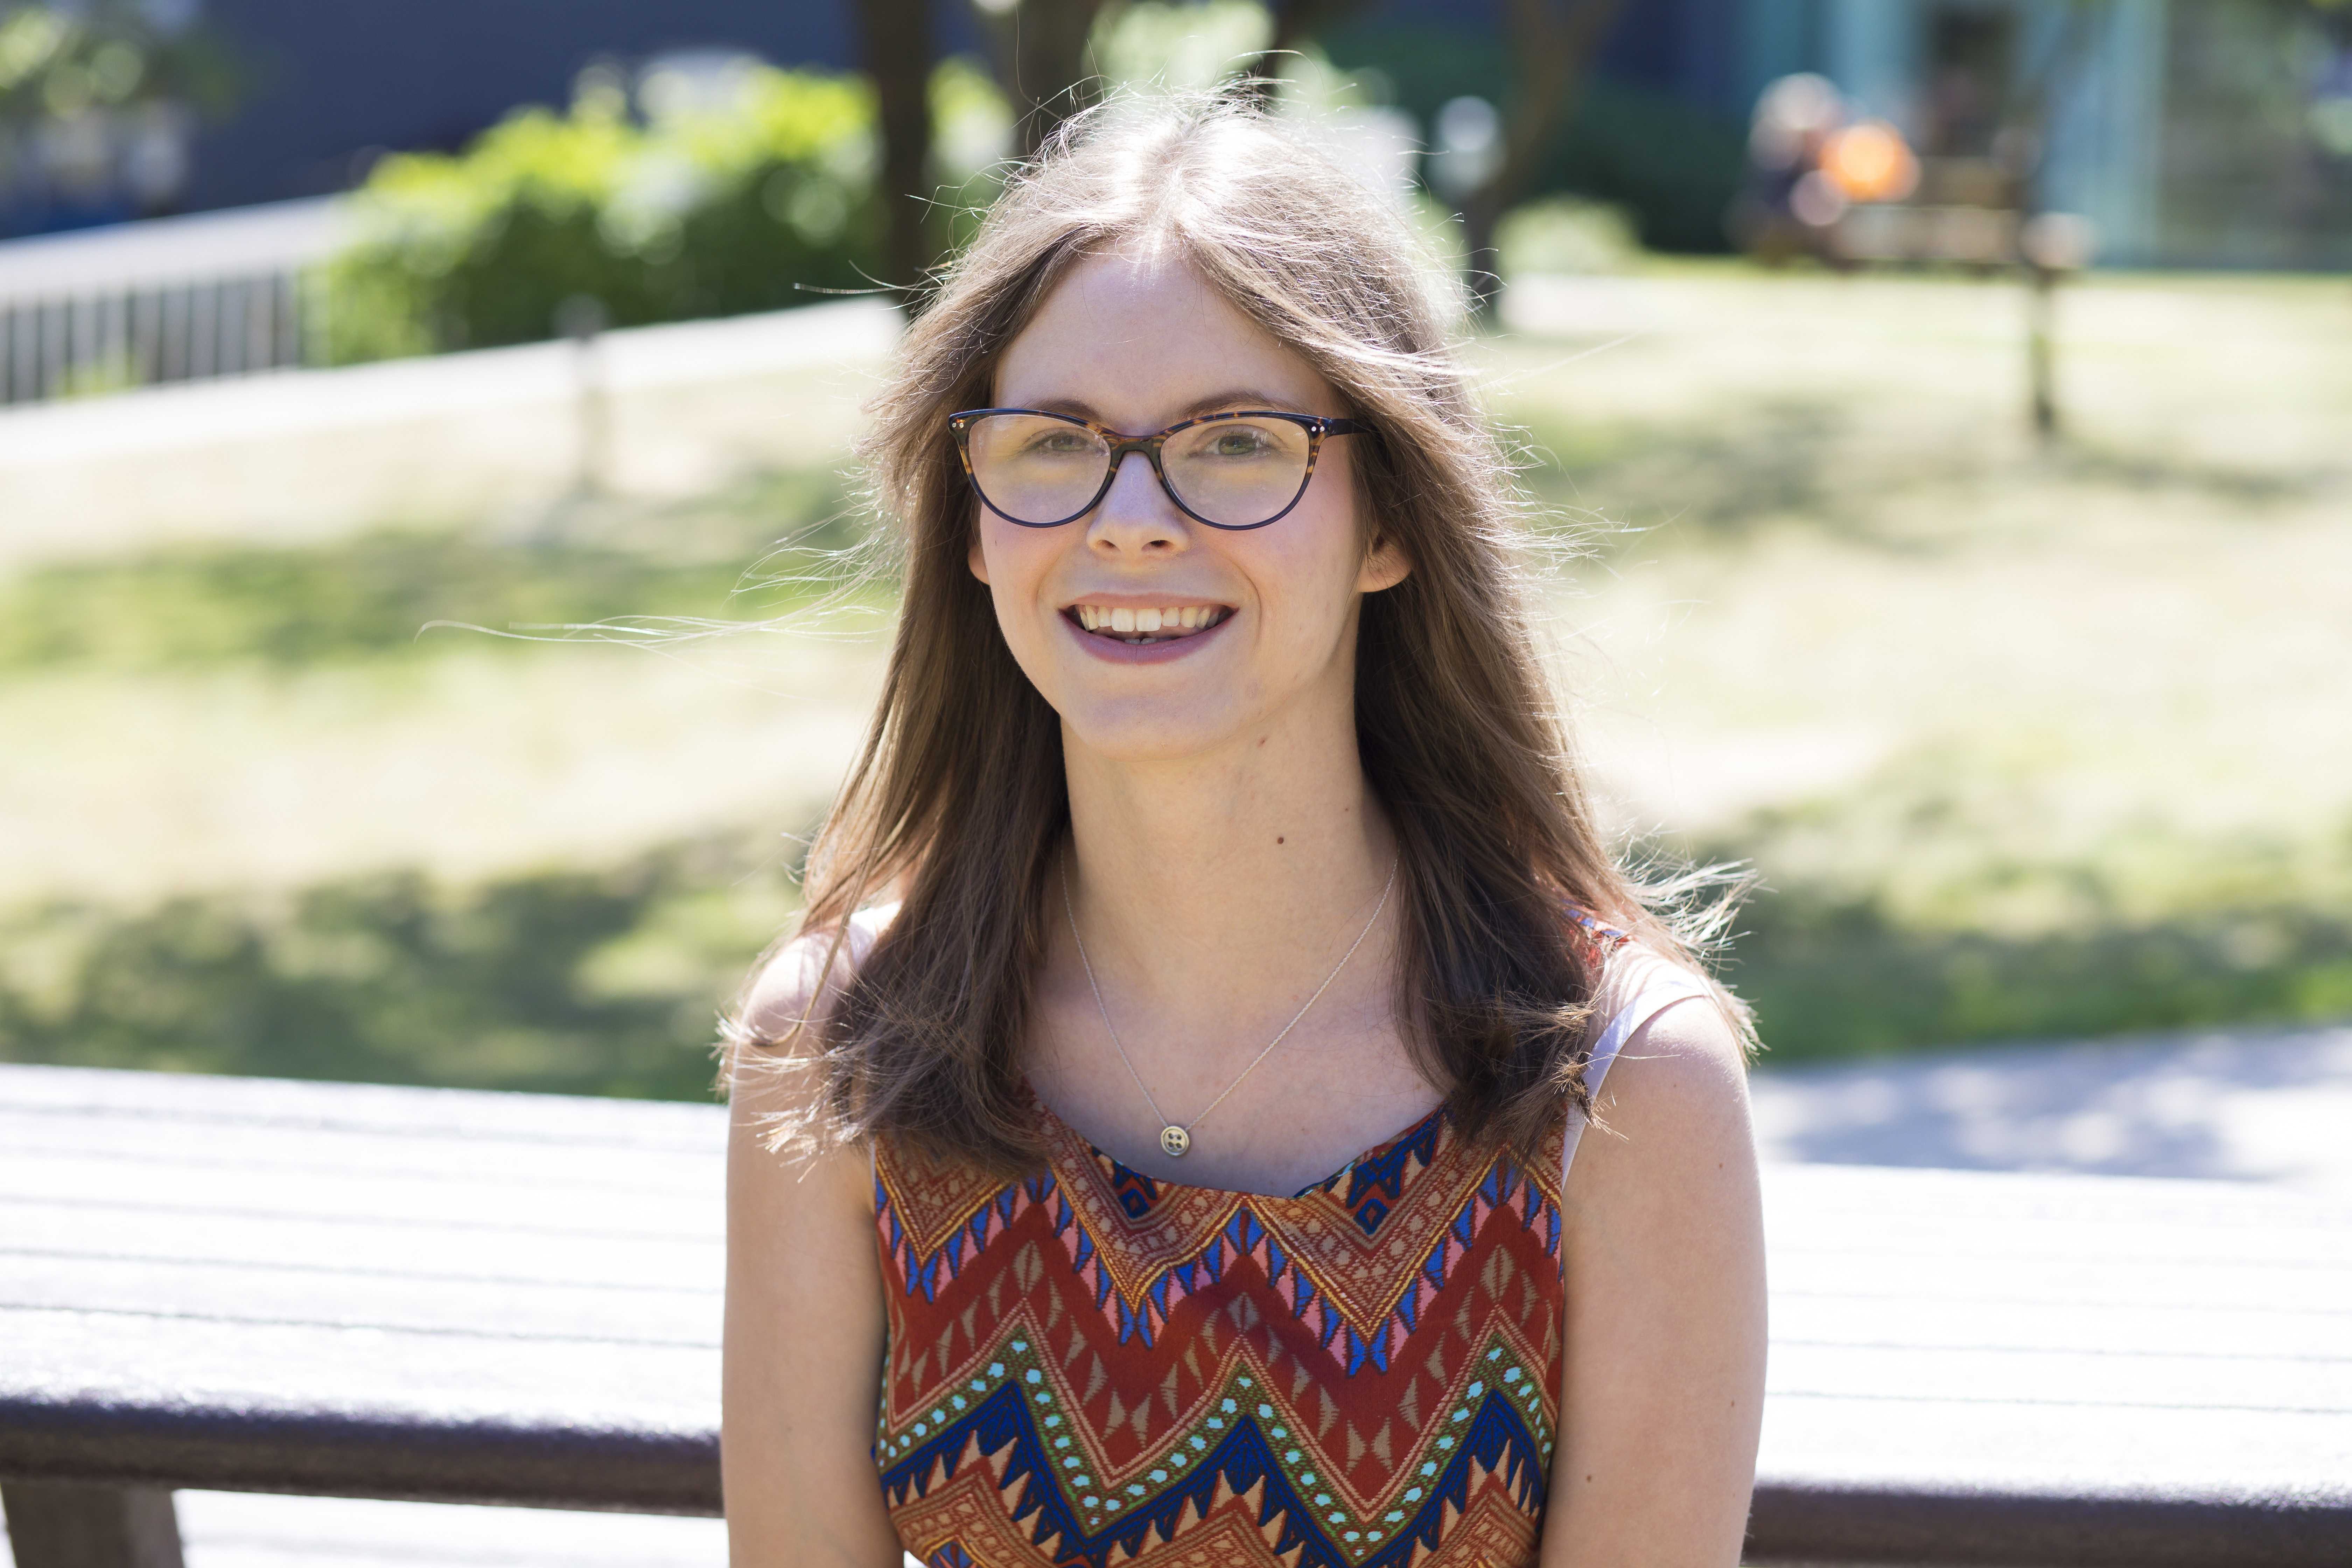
{"x": 1870, "y": 163}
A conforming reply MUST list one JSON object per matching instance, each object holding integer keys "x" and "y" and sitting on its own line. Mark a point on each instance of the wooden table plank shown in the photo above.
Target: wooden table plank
{"x": 642, "y": 1313}
{"x": 1972, "y": 1367}
{"x": 463, "y": 1297}
{"x": 363, "y": 1290}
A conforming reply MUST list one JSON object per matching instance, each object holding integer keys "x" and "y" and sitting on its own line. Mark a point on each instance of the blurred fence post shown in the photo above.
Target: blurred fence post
{"x": 581, "y": 319}
{"x": 2041, "y": 284}
{"x": 2049, "y": 244}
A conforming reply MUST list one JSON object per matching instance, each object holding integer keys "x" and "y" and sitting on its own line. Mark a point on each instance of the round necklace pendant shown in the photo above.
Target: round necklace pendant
{"x": 1174, "y": 1141}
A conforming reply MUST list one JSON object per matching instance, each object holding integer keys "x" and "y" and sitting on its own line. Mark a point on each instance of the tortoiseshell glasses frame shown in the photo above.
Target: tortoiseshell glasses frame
{"x": 960, "y": 425}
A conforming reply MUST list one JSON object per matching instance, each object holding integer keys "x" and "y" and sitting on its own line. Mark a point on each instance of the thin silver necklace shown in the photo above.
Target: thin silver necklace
{"x": 1175, "y": 1138}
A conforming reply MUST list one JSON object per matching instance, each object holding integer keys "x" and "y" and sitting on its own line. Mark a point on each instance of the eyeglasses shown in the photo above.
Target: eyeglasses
{"x": 1237, "y": 470}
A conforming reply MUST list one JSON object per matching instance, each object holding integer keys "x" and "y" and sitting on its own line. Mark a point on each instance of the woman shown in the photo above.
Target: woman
{"x": 1156, "y": 1145}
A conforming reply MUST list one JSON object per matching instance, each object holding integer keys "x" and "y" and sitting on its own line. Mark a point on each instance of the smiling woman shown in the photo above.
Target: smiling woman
{"x": 1157, "y": 1136}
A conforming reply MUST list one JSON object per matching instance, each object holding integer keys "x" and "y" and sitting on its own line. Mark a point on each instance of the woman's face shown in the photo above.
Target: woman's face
{"x": 1139, "y": 345}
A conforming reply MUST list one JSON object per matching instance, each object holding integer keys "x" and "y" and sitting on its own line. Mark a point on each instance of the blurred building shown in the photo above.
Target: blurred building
{"x": 2072, "y": 94}
{"x": 313, "y": 92}
{"x": 2191, "y": 132}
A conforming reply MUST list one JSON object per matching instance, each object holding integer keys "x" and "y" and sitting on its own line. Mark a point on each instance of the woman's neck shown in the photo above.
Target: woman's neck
{"x": 1220, "y": 880}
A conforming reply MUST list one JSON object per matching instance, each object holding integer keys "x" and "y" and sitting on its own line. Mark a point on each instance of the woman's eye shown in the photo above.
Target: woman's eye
{"x": 1243, "y": 442}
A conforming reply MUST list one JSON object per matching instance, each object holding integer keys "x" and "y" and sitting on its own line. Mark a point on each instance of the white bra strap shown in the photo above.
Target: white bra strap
{"x": 1667, "y": 987}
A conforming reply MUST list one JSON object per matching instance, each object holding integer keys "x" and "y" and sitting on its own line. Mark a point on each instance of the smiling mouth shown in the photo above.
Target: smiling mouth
{"x": 1120, "y": 624}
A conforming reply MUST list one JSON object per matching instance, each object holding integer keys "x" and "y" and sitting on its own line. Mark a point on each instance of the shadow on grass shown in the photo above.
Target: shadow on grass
{"x": 371, "y": 595}
{"x": 569, "y": 982}
{"x": 609, "y": 983}
{"x": 1840, "y": 978}
{"x": 1811, "y": 461}
{"x": 1779, "y": 461}
{"x": 2093, "y": 461}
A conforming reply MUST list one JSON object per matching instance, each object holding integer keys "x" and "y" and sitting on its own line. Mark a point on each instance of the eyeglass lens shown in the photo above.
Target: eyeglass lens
{"x": 1236, "y": 473}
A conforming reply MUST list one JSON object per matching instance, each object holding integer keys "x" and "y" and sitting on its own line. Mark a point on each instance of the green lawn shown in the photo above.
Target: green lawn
{"x": 2021, "y": 741}
{"x": 2018, "y": 741}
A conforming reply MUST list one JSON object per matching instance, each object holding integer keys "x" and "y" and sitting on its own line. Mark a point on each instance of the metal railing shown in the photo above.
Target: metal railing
{"x": 184, "y": 299}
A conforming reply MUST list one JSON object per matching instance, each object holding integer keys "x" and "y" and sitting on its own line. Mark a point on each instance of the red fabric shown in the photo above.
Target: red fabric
{"x": 1088, "y": 1365}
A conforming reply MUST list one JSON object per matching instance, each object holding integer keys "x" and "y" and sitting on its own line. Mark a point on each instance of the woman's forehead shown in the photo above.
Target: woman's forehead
{"x": 1144, "y": 338}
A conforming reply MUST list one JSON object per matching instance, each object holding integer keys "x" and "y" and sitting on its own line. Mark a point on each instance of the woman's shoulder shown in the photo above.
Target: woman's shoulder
{"x": 1637, "y": 987}
{"x": 805, "y": 976}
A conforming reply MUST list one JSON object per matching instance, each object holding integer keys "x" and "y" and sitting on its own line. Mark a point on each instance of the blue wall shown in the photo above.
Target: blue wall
{"x": 335, "y": 77}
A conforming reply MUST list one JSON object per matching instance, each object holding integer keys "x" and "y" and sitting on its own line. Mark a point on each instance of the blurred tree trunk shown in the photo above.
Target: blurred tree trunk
{"x": 1552, "y": 44}
{"x": 1301, "y": 22}
{"x": 1039, "y": 50}
{"x": 897, "y": 39}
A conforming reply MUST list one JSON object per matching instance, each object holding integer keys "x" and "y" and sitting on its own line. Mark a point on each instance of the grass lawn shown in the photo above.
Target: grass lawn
{"x": 2020, "y": 740}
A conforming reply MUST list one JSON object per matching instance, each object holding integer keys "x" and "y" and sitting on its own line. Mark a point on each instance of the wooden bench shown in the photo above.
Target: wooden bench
{"x": 249, "y": 1285}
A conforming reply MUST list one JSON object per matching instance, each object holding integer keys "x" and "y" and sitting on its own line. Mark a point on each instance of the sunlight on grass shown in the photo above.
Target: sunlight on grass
{"x": 2020, "y": 740}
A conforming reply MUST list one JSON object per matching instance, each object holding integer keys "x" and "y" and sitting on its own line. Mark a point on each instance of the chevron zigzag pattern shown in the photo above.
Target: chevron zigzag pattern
{"x": 1092, "y": 1366}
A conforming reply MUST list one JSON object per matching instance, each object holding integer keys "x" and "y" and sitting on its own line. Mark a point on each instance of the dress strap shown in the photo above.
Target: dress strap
{"x": 1662, "y": 987}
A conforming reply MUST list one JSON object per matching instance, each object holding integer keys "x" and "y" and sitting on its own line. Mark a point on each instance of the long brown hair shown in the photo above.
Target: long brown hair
{"x": 957, "y": 801}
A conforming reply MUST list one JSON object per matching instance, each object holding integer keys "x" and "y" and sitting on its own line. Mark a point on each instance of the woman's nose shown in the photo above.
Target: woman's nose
{"x": 1135, "y": 515}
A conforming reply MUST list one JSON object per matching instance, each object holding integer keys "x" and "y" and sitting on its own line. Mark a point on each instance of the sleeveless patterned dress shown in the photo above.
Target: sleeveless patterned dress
{"x": 1093, "y": 1366}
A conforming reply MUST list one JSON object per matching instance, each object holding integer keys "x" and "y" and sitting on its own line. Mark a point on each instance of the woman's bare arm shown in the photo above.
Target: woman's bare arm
{"x": 1664, "y": 1249}
{"x": 804, "y": 1328}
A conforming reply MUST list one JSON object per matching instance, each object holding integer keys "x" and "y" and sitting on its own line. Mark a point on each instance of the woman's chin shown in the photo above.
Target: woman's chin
{"x": 1139, "y": 735}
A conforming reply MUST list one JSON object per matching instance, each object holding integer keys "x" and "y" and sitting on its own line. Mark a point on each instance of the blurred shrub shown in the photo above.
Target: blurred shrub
{"x": 971, "y": 136}
{"x": 717, "y": 202}
{"x": 98, "y": 100}
{"x": 1566, "y": 234}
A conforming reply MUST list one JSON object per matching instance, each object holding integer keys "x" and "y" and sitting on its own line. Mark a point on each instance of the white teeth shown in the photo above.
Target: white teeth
{"x": 1147, "y": 623}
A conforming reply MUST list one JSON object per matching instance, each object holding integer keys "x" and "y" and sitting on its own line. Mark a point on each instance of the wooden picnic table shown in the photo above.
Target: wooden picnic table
{"x": 440, "y": 1295}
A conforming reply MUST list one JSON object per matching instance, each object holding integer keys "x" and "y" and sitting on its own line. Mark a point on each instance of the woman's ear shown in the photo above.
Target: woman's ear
{"x": 976, "y": 559}
{"x": 1385, "y": 565}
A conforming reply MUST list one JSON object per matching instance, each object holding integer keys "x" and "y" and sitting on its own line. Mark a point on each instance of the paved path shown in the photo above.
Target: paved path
{"x": 2232, "y": 1105}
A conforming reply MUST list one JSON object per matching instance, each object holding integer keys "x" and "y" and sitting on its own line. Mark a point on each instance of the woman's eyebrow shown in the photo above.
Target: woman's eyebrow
{"x": 1242, "y": 398}
{"x": 1234, "y": 397}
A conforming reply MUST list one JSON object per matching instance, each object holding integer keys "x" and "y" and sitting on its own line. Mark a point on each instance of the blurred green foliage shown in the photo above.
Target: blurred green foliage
{"x": 740, "y": 199}
{"x": 59, "y": 61}
{"x": 1566, "y": 235}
